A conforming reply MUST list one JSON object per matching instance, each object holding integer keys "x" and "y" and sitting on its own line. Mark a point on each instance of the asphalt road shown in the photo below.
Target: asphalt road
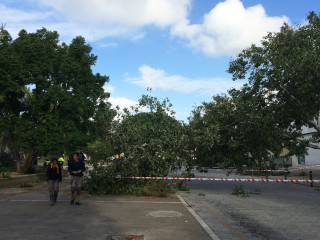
{"x": 272, "y": 210}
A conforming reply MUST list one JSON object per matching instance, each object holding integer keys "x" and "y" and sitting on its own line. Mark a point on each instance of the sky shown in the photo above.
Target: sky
{"x": 179, "y": 48}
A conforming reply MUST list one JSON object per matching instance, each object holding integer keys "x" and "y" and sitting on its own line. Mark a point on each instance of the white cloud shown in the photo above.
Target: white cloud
{"x": 16, "y": 15}
{"x": 228, "y": 28}
{"x": 109, "y": 88}
{"x": 95, "y": 19}
{"x": 122, "y": 12}
{"x": 98, "y": 19}
{"x": 122, "y": 102}
{"x": 225, "y": 30}
{"x": 159, "y": 79}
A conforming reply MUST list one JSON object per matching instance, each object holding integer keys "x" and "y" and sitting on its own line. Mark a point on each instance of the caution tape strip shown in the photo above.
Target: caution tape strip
{"x": 266, "y": 170}
{"x": 282, "y": 170}
{"x": 296, "y": 169}
{"x": 223, "y": 179}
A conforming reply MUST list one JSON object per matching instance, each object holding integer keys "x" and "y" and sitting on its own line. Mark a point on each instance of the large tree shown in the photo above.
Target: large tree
{"x": 285, "y": 72}
{"x": 49, "y": 94}
{"x": 229, "y": 132}
{"x": 254, "y": 124}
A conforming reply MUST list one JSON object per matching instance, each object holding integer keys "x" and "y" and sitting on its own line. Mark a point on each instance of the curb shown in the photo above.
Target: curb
{"x": 199, "y": 219}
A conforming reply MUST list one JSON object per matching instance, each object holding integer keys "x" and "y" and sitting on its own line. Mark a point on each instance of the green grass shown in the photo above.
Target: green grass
{"x": 8, "y": 169}
{"x": 25, "y": 185}
{"x": 155, "y": 189}
{"x": 6, "y": 175}
{"x": 302, "y": 173}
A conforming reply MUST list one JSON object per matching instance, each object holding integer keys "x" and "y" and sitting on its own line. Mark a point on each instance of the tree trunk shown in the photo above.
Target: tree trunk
{"x": 16, "y": 159}
{"x": 27, "y": 163}
{"x": 15, "y": 152}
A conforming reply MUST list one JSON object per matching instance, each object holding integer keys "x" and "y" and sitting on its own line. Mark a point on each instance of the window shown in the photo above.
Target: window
{"x": 302, "y": 159}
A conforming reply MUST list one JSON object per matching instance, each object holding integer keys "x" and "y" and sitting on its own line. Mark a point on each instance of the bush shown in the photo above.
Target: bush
{"x": 5, "y": 159}
{"x": 102, "y": 180}
{"x": 156, "y": 188}
{"x": 8, "y": 169}
{"x": 6, "y": 175}
{"x": 31, "y": 170}
{"x": 240, "y": 191}
{"x": 302, "y": 173}
{"x": 25, "y": 185}
{"x": 181, "y": 185}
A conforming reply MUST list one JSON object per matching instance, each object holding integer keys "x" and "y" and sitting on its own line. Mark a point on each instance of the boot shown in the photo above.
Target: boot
{"x": 55, "y": 196}
{"x": 51, "y": 199}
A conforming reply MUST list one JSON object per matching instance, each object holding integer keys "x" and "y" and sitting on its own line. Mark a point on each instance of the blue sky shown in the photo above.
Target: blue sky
{"x": 180, "y": 48}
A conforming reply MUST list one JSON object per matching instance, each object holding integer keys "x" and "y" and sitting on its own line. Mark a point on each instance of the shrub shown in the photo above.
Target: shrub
{"x": 181, "y": 185}
{"x": 5, "y": 159}
{"x": 6, "y": 175}
{"x": 25, "y": 185}
{"x": 240, "y": 191}
{"x": 302, "y": 173}
{"x": 156, "y": 188}
{"x": 102, "y": 180}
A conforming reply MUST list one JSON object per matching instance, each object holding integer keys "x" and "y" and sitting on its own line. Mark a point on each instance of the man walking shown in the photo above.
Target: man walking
{"x": 76, "y": 168}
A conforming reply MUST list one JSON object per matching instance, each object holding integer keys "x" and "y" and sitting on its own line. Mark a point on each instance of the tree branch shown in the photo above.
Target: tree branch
{"x": 309, "y": 144}
{"x": 314, "y": 125}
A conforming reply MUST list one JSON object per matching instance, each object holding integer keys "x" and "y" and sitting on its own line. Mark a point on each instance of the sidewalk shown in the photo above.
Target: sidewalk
{"x": 26, "y": 214}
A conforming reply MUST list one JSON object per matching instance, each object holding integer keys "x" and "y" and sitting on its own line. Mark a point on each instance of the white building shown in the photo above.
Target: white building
{"x": 313, "y": 156}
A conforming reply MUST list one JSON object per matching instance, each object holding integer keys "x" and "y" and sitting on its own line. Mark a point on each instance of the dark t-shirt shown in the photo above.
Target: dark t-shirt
{"x": 76, "y": 166}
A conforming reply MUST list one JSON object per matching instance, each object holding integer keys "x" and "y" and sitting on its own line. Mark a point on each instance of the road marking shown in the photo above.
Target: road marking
{"x": 200, "y": 220}
{"x": 219, "y": 218}
{"x": 95, "y": 201}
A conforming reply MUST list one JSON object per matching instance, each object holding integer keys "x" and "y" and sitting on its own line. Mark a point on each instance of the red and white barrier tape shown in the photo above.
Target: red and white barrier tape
{"x": 266, "y": 170}
{"x": 295, "y": 169}
{"x": 282, "y": 170}
{"x": 223, "y": 179}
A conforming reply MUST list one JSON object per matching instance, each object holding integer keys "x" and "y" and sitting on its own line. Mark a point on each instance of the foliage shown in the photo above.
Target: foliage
{"x": 181, "y": 185}
{"x": 253, "y": 125}
{"x": 5, "y": 159}
{"x": 143, "y": 143}
{"x": 7, "y": 169}
{"x": 227, "y": 132}
{"x": 240, "y": 191}
{"x": 283, "y": 73}
{"x": 6, "y": 175}
{"x": 155, "y": 188}
{"x": 50, "y": 101}
{"x": 101, "y": 180}
{"x": 150, "y": 143}
{"x": 25, "y": 185}
{"x": 302, "y": 173}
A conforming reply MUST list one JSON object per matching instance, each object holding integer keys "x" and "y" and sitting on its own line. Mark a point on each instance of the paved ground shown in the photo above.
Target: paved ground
{"x": 26, "y": 214}
{"x": 273, "y": 210}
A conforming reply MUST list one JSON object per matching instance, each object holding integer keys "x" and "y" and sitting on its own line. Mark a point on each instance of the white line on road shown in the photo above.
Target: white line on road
{"x": 96, "y": 201}
{"x": 200, "y": 220}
